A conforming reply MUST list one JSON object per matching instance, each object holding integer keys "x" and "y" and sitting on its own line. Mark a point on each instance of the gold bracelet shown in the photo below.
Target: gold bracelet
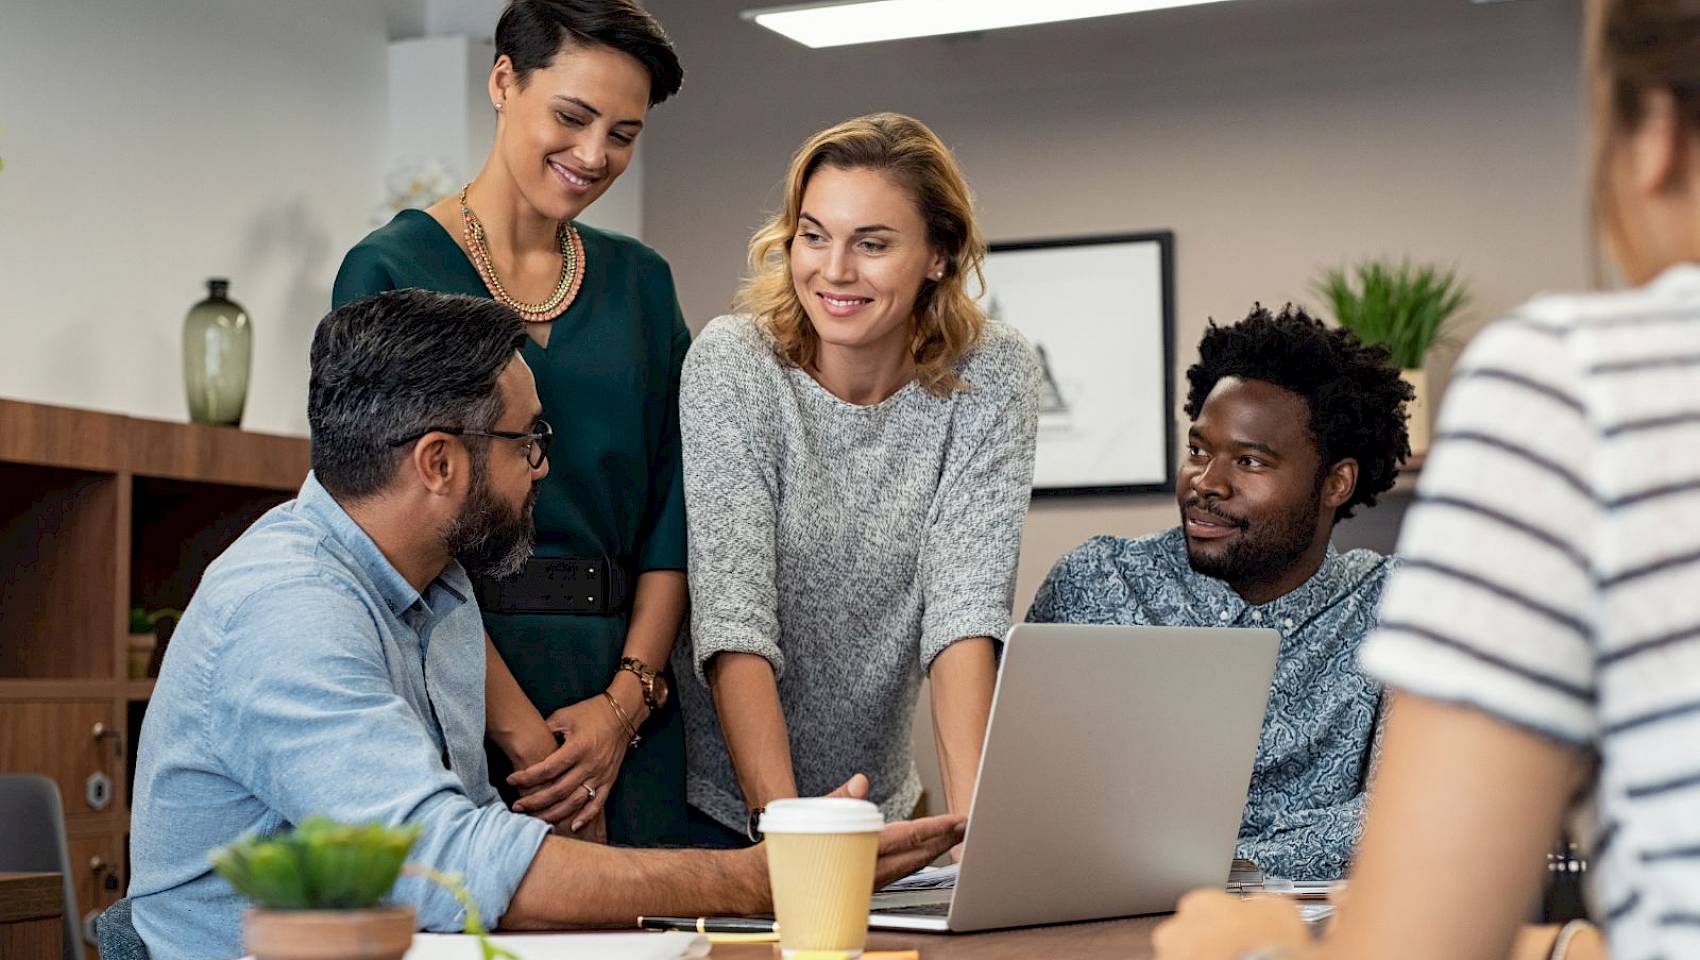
{"x": 625, "y": 721}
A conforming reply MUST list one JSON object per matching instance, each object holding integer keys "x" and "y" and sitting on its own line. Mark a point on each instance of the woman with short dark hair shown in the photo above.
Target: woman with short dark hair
{"x": 581, "y": 638}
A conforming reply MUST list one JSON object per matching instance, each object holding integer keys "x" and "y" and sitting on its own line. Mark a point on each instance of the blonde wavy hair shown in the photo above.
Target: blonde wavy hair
{"x": 948, "y": 320}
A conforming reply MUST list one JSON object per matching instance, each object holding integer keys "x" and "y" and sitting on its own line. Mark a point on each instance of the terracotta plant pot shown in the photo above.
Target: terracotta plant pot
{"x": 139, "y": 653}
{"x": 383, "y": 933}
{"x": 1417, "y": 412}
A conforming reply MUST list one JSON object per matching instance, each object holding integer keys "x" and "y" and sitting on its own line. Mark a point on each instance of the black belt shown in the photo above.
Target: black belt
{"x": 593, "y": 586}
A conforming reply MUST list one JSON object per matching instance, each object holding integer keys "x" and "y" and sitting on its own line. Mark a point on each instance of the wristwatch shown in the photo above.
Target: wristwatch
{"x": 752, "y": 824}
{"x": 654, "y": 684}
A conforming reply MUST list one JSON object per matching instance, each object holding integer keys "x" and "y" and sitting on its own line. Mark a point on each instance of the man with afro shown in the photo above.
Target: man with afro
{"x": 1294, "y": 424}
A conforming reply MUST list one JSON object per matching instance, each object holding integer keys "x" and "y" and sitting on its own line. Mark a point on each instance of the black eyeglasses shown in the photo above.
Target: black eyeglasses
{"x": 536, "y": 441}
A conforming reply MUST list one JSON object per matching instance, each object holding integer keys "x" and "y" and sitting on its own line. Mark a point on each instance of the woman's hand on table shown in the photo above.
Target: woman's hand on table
{"x": 1213, "y": 925}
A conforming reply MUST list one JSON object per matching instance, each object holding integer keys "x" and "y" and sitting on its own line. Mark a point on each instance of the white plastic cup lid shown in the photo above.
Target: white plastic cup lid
{"x": 821, "y": 815}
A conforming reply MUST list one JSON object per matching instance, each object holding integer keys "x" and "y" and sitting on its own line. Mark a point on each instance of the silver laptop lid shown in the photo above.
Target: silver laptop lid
{"x": 1114, "y": 773}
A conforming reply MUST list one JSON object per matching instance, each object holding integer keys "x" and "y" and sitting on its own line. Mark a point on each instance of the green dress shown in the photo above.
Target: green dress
{"x": 609, "y": 382}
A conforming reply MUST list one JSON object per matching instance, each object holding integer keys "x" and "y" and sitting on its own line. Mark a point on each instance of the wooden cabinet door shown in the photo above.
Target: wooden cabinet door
{"x": 58, "y": 739}
{"x": 32, "y": 940}
{"x": 95, "y": 859}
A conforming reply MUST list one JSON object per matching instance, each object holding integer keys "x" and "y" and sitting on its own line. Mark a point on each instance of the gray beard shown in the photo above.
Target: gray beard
{"x": 489, "y": 540}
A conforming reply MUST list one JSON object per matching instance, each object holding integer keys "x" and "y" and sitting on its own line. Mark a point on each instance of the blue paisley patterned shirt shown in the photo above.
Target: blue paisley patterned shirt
{"x": 1305, "y": 807}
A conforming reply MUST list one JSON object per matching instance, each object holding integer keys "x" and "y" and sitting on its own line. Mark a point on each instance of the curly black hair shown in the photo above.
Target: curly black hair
{"x": 1355, "y": 394}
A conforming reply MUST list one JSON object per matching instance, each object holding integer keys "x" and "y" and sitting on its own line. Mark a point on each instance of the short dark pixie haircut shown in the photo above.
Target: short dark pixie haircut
{"x": 532, "y": 32}
{"x": 1355, "y": 394}
{"x": 392, "y": 364}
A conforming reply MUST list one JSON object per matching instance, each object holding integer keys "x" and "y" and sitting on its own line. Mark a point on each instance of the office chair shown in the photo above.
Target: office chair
{"x": 32, "y": 840}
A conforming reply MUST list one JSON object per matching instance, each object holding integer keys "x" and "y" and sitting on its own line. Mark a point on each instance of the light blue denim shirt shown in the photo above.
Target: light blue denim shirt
{"x": 309, "y": 677}
{"x": 1304, "y": 811}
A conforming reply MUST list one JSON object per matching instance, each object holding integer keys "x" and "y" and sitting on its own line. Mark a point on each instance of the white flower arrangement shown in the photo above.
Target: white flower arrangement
{"x": 414, "y": 186}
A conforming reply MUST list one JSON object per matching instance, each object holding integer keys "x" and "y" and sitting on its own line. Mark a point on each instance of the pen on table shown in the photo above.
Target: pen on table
{"x": 708, "y": 924}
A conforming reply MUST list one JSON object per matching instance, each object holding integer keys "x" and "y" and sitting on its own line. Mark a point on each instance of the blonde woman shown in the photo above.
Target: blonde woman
{"x": 1544, "y": 632}
{"x": 858, "y": 458}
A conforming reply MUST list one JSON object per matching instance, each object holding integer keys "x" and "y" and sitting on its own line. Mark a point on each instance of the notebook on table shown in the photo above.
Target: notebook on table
{"x": 563, "y": 946}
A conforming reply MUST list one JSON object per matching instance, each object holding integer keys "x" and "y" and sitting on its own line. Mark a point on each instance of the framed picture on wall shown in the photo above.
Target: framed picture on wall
{"x": 1100, "y": 312}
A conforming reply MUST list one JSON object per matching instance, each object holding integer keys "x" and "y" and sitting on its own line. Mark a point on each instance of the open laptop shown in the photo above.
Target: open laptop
{"x": 1113, "y": 777}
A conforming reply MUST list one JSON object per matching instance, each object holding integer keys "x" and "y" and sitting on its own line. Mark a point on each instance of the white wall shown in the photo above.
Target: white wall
{"x": 439, "y": 104}
{"x": 150, "y": 144}
{"x": 474, "y": 18}
{"x": 404, "y": 19}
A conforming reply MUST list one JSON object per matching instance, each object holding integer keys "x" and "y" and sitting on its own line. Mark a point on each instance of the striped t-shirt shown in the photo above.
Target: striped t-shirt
{"x": 1552, "y": 574}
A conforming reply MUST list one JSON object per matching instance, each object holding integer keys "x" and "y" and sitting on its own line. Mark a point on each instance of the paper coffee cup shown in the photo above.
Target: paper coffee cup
{"x": 820, "y": 860}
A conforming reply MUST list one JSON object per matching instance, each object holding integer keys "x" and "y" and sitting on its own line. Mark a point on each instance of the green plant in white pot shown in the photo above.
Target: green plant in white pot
{"x": 318, "y": 892}
{"x": 1405, "y": 307}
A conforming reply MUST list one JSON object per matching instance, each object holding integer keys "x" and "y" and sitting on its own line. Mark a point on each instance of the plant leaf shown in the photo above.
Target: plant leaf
{"x": 454, "y": 884}
{"x": 1405, "y": 307}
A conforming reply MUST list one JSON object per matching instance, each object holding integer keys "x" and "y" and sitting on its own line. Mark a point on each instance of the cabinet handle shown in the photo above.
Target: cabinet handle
{"x": 103, "y": 732}
{"x": 104, "y": 872}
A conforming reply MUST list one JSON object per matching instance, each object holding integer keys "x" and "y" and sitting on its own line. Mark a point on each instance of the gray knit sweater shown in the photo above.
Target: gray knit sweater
{"x": 847, "y": 544}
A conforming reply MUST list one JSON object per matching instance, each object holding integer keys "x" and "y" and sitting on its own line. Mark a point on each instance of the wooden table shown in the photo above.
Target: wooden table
{"x": 1105, "y": 940}
{"x": 31, "y": 905}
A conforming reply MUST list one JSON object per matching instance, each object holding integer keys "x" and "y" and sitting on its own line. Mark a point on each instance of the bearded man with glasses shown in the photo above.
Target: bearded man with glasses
{"x": 332, "y": 661}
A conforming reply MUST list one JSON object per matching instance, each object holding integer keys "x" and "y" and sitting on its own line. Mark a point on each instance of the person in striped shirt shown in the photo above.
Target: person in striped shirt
{"x": 1544, "y": 632}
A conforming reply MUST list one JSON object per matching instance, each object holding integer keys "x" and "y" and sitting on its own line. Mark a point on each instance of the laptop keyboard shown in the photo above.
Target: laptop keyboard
{"x": 917, "y": 910}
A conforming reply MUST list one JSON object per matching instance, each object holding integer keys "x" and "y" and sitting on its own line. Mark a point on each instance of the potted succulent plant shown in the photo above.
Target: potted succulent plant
{"x": 1403, "y": 306}
{"x": 319, "y": 890}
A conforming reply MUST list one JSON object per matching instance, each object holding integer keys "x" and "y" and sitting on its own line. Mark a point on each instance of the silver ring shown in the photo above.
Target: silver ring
{"x": 589, "y": 789}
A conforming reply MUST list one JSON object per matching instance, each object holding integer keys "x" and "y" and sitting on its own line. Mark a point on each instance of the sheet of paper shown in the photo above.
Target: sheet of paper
{"x": 1316, "y": 912}
{"x": 1302, "y": 889}
{"x": 926, "y": 878}
{"x": 564, "y": 946}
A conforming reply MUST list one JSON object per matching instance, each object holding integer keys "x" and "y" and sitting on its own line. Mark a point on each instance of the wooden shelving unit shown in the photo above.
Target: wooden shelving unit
{"x": 100, "y": 513}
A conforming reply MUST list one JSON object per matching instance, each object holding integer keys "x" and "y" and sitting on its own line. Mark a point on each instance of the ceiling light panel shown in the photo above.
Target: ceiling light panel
{"x": 840, "y": 24}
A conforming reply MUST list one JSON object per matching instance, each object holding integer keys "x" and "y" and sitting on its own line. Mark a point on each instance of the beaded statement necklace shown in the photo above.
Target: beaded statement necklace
{"x": 566, "y": 289}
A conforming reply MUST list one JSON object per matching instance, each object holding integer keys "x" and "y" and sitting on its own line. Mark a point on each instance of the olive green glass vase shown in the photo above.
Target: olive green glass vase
{"x": 218, "y": 347}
